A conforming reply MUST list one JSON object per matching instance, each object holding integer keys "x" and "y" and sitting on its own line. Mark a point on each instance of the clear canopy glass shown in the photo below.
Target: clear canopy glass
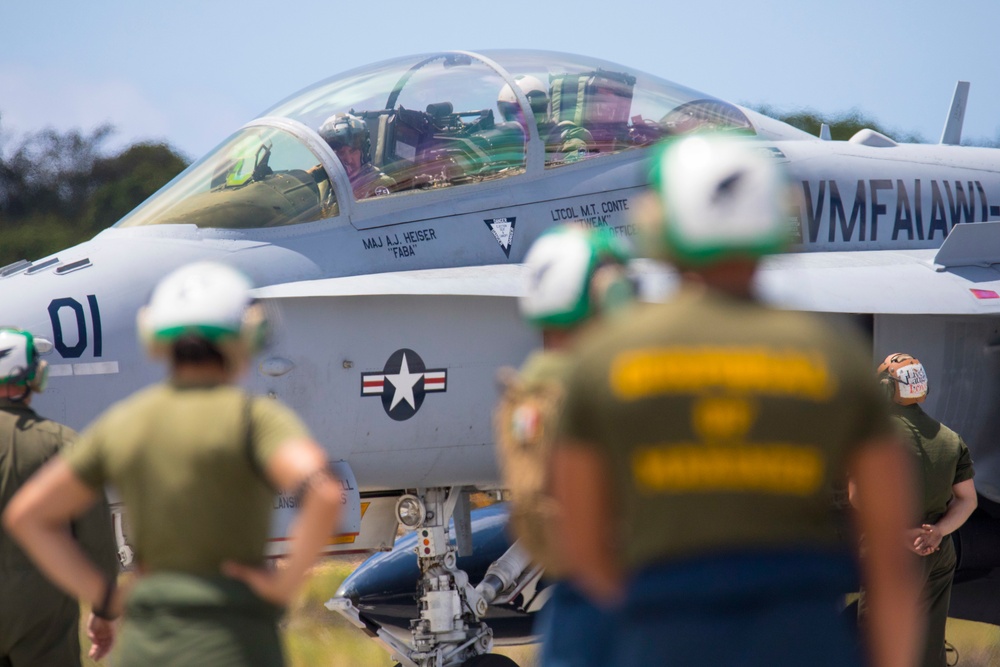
{"x": 259, "y": 177}
{"x": 427, "y": 122}
{"x": 608, "y": 107}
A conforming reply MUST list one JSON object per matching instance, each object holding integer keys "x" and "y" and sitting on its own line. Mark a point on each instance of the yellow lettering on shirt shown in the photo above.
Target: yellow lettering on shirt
{"x": 722, "y": 418}
{"x": 777, "y": 468}
{"x": 638, "y": 374}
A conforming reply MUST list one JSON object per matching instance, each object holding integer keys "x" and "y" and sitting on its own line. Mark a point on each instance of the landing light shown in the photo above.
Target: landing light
{"x": 410, "y": 511}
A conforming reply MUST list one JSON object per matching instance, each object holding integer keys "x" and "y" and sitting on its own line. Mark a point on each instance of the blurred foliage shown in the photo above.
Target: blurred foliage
{"x": 59, "y": 189}
{"x": 843, "y": 125}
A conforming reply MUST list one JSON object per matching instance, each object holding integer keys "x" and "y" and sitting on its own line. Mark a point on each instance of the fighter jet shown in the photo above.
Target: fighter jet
{"x": 384, "y": 213}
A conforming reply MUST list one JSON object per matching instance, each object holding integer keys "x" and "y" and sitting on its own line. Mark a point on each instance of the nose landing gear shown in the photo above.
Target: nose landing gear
{"x": 449, "y": 630}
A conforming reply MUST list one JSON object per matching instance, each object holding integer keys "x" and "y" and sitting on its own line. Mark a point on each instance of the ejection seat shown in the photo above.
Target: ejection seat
{"x": 438, "y": 146}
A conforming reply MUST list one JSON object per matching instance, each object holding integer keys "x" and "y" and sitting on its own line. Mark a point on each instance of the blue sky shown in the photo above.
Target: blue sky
{"x": 191, "y": 71}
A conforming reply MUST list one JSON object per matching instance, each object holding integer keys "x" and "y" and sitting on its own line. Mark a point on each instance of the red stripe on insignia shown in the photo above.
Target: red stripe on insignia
{"x": 372, "y": 385}
{"x": 434, "y": 384}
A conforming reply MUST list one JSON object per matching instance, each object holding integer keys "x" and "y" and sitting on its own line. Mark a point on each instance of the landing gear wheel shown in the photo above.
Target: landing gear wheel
{"x": 489, "y": 660}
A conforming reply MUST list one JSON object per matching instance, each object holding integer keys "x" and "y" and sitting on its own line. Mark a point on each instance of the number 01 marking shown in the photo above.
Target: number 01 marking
{"x": 76, "y": 351}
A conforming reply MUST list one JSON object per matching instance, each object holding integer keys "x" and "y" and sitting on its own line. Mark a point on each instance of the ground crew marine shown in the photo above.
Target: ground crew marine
{"x": 758, "y": 424}
{"x": 175, "y": 452}
{"x": 943, "y": 460}
{"x": 947, "y": 494}
{"x": 197, "y": 462}
{"x": 575, "y": 275}
{"x": 39, "y": 624}
{"x": 526, "y": 419}
{"x": 700, "y": 440}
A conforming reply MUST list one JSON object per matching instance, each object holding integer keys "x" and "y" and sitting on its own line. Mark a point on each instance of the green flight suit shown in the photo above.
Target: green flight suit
{"x": 370, "y": 181}
{"x": 565, "y": 141}
{"x": 942, "y": 460}
{"x": 188, "y": 462}
{"x": 39, "y": 624}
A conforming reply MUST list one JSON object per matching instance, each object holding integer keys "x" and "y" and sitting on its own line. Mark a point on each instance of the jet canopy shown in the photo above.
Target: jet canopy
{"x": 420, "y": 123}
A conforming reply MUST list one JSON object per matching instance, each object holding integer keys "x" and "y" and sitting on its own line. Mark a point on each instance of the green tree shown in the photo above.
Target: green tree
{"x": 59, "y": 189}
{"x": 48, "y": 173}
{"x": 126, "y": 180}
{"x": 843, "y": 125}
{"x": 846, "y": 124}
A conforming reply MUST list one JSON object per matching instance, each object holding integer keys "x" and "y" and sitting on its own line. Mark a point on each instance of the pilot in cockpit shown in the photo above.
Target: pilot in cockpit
{"x": 348, "y": 136}
{"x": 564, "y": 141}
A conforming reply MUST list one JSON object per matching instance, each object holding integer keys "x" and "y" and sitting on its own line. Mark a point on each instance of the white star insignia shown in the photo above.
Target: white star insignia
{"x": 403, "y": 381}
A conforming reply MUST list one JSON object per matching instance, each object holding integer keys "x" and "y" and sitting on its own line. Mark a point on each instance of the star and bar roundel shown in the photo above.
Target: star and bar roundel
{"x": 403, "y": 383}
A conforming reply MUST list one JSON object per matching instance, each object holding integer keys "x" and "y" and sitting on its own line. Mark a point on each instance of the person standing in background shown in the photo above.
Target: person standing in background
{"x": 40, "y": 624}
{"x": 700, "y": 440}
{"x": 575, "y": 276}
{"x": 197, "y": 462}
{"x": 947, "y": 495}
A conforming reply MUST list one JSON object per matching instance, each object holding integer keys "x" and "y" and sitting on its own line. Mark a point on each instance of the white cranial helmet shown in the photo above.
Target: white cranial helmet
{"x": 721, "y": 197}
{"x": 206, "y": 300}
{"x": 19, "y": 362}
{"x": 532, "y": 87}
{"x": 562, "y": 288}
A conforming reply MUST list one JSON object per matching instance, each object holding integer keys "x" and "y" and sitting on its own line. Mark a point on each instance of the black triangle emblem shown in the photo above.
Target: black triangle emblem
{"x": 503, "y": 232}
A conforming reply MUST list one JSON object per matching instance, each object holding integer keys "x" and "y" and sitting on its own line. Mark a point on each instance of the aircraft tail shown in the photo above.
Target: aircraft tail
{"x": 952, "y": 134}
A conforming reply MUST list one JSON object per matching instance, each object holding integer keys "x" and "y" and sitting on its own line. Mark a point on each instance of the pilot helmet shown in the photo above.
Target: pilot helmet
{"x": 715, "y": 198}
{"x": 574, "y": 272}
{"x": 344, "y": 129}
{"x": 19, "y": 362}
{"x": 904, "y": 379}
{"x": 532, "y": 87}
{"x": 205, "y": 300}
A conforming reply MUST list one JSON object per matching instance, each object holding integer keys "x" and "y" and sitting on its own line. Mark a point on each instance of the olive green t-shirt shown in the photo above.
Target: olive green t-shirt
{"x": 942, "y": 458}
{"x": 188, "y": 463}
{"x": 27, "y": 442}
{"x": 723, "y": 423}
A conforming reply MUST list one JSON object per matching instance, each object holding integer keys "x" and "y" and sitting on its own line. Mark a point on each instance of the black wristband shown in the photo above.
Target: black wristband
{"x": 103, "y": 610}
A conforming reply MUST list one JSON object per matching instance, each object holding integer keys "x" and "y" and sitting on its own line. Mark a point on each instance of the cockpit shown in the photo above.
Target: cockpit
{"x": 417, "y": 124}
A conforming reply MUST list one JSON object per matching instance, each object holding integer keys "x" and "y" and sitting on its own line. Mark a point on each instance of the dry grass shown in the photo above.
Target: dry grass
{"x": 317, "y": 637}
{"x": 978, "y": 644}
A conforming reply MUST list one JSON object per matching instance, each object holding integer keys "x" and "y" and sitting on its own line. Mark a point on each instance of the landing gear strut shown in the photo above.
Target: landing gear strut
{"x": 449, "y": 630}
